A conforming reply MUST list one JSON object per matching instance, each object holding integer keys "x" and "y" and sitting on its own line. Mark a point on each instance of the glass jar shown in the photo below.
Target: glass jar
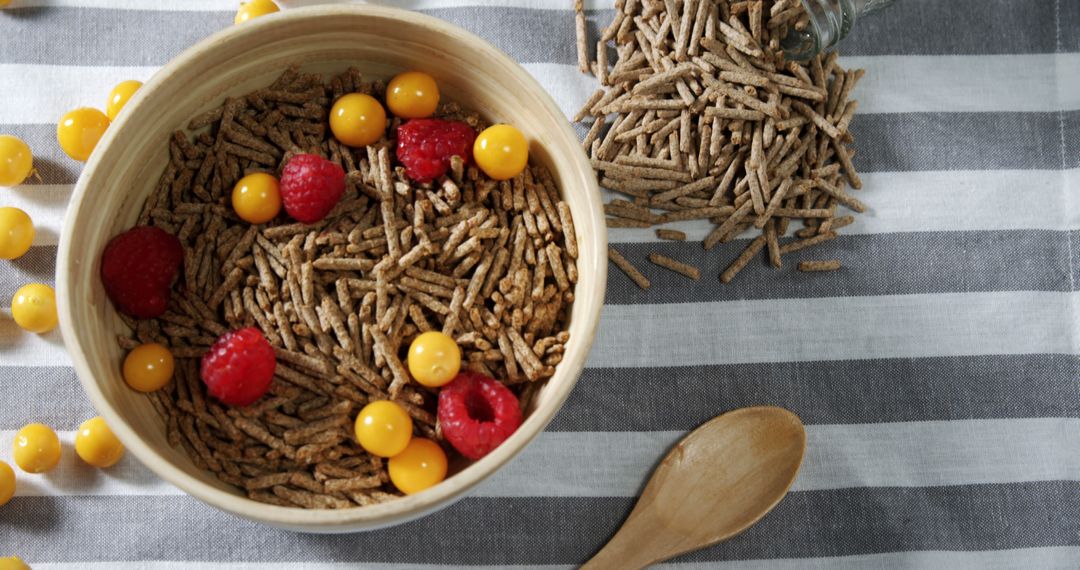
{"x": 829, "y": 22}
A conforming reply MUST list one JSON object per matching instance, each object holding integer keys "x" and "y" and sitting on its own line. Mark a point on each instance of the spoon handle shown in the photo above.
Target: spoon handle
{"x": 615, "y": 556}
{"x": 633, "y": 547}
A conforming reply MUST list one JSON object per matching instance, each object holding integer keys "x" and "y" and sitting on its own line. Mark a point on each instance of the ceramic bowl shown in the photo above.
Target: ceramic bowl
{"x": 133, "y": 153}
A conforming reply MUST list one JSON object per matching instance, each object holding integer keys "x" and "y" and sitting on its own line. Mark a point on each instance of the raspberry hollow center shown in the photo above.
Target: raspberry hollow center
{"x": 479, "y": 408}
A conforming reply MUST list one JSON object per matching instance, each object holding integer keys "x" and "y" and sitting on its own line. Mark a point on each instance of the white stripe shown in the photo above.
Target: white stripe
{"x": 910, "y": 83}
{"x": 74, "y": 477}
{"x": 893, "y": 84}
{"x": 41, "y": 94}
{"x": 20, "y": 348}
{"x": 971, "y": 83}
{"x": 231, "y": 5}
{"x": 167, "y": 565}
{"x": 436, "y": 4}
{"x": 978, "y": 200}
{"x": 838, "y": 328}
{"x": 780, "y": 330}
{"x": 1045, "y": 558}
{"x": 616, "y": 464}
{"x": 163, "y": 5}
{"x": 962, "y": 200}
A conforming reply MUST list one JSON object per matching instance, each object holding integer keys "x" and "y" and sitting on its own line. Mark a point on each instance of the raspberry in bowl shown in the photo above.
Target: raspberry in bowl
{"x": 310, "y": 375}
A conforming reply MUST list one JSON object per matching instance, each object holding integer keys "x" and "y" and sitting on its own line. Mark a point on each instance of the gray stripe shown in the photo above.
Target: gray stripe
{"x": 37, "y": 266}
{"x": 1069, "y": 129}
{"x": 1075, "y": 249}
{"x": 874, "y": 264}
{"x": 830, "y": 392}
{"x": 49, "y": 395}
{"x": 550, "y": 530}
{"x": 96, "y": 37}
{"x": 1069, "y": 14}
{"x": 1047, "y": 558}
{"x": 72, "y": 36}
{"x": 833, "y": 392}
{"x": 960, "y": 27}
{"x": 886, "y": 142}
{"x": 962, "y": 141}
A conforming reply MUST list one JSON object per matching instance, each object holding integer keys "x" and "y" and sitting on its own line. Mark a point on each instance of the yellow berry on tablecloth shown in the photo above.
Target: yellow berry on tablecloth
{"x": 16, "y": 160}
{"x": 36, "y": 449}
{"x": 79, "y": 132}
{"x": 16, "y": 233}
{"x": 254, "y": 9}
{"x": 34, "y": 308}
{"x": 119, "y": 96}
{"x": 96, "y": 444}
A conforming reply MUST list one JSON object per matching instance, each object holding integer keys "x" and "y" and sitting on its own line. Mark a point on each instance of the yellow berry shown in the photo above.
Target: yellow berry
{"x": 16, "y": 160}
{"x": 80, "y": 130}
{"x": 119, "y": 96}
{"x": 37, "y": 449}
{"x": 16, "y": 233}
{"x": 434, "y": 359}
{"x": 148, "y": 367}
{"x": 421, "y": 465}
{"x": 34, "y": 308}
{"x": 357, "y": 120}
{"x": 254, "y": 9}
{"x": 257, "y": 198}
{"x": 7, "y": 483}
{"x": 412, "y": 95}
{"x": 97, "y": 445}
{"x": 501, "y": 151}
{"x": 383, "y": 428}
{"x": 12, "y": 562}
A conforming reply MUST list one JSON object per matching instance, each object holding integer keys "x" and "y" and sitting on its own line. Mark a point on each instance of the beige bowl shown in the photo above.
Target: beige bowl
{"x": 133, "y": 153}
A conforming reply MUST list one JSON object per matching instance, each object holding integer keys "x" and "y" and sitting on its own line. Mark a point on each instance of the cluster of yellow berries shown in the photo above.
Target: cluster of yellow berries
{"x": 80, "y": 130}
{"x": 385, "y": 429}
{"x": 357, "y": 119}
{"x": 77, "y": 133}
{"x": 37, "y": 450}
{"x": 34, "y": 305}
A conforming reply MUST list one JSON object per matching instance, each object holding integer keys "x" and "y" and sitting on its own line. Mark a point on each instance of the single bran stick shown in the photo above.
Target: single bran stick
{"x": 582, "y": 42}
{"x": 819, "y": 266}
{"x": 628, "y": 269}
{"x": 672, "y": 235}
{"x": 744, "y": 258}
{"x": 676, "y": 266}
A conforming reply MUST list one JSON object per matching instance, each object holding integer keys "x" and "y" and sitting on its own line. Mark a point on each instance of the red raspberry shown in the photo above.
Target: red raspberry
{"x": 310, "y": 187}
{"x": 239, "y": 367}
{"x": 477, "y": 413}
{"x": 138, "y": 268}
{"x": 425, "y": 146}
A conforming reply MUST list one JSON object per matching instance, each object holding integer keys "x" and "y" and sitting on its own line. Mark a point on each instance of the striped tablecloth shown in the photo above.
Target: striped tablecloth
{"x": 938, "y": 373}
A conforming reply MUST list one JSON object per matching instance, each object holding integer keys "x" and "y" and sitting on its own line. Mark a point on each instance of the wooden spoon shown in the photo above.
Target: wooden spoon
{"x": 714, "y": 484}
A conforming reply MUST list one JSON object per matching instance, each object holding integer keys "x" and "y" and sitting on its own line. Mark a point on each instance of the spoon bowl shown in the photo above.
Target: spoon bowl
{"x": 715, "y": 483}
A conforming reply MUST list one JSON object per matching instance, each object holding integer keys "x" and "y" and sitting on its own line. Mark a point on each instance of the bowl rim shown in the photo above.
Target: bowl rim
{"x": 358, "y": 518}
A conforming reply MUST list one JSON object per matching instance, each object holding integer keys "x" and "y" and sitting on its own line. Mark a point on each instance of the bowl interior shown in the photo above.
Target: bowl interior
{"x": 132, "y": 155}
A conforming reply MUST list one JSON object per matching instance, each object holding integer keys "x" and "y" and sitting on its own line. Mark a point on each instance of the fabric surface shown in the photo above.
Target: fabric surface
{"x": 938, "y": 372}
